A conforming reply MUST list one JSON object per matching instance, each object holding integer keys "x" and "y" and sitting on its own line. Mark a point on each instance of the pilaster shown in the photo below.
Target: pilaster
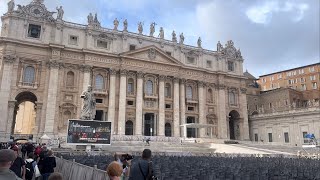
{"x": 139, "y": 103}
{"x": 161, "y": 106}
{"x": 112, "y": 98}
{"x": 122, "y": 102}
{"x": 222, "y": 116}
{"x": 244, "y": 114}
{"x": 202, "y": 118}
{"x": 176, "y": 110}
{"x": 182, "y": 106}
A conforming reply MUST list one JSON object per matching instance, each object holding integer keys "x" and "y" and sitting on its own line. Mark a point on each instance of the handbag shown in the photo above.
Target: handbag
{"x": 37, "y": 171}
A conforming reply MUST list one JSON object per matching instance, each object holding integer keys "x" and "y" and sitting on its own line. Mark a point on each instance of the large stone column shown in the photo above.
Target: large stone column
{"x": 161, "y": 106}
{"x": 222, "y": 116}
{"x": 139, "y": 104}
{"x": 182, "y": 106}
{"x": 38, "y": 107}
{"x": 122, "y": 102}
{"x": 112, "y": 99}
{"x": 202, "y": 118}
{"x": 5, "y": 89}
{"x": 53, "y": 66}
{"x": 176, "y": 110}
{"x": 11, "y": 106}
{"x": 244, "y": 114}
{"x": 86, "y": 77}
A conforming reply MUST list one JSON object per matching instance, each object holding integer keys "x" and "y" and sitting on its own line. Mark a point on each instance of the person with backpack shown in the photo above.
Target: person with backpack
{"x": 143, "y": 169}
{"x": 23, "y": 150}
{"x": 30, "y": 166}
{"x": 48, "y": 165}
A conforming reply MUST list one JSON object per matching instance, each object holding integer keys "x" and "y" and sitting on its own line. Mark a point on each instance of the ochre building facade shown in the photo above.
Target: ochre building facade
{"x": 145, "y": 86}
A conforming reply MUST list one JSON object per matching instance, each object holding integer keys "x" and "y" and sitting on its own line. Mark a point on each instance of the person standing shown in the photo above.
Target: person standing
{"x": 48, "y": 165}
{"x": 143, "y": 169}
{"x": 30, "y": 166}
{"x": 18, "y": 165}
{"x": 7, "y": 157}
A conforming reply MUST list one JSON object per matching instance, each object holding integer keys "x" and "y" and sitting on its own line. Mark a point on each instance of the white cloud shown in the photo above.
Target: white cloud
{"x": 263, "y": 13}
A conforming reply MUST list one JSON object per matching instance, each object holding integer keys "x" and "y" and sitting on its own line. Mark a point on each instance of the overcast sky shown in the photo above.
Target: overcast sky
{"x": 273, "y": 35}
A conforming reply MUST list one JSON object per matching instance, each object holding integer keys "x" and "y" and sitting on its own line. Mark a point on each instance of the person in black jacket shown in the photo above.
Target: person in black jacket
{"x": 143, "y": 169}
{"x": 48, "y": 165}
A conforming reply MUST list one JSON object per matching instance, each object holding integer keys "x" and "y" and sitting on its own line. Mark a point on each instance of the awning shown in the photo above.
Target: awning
{"x": 45, "y": 137}
{"x": 196, "y": 125}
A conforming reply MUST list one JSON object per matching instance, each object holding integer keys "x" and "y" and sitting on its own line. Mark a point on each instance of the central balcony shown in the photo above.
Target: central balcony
{"x": 150, "y": 96}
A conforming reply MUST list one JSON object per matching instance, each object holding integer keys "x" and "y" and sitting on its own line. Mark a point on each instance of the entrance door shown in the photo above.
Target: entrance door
{"x": 149, "y": 124}
{"x": 231, "y": 126}
{"x": 191, "y": 132}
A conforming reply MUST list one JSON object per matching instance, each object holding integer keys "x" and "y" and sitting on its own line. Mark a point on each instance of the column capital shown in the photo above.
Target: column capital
{"x": 221, "y": 86}
{"x": 162, "y": 77}
{"x": 183, "y": 81}
{"x": 12, "y": 104}
{"x": 243, "y": 90}
{"x": 176, "y": 80}
{"x": 123, "y": 72}
{"x": 10, "y": 59}
{"x": 112, "y": 71}
{"x": 140, "y": 74}
{"x": 54, "y": 64}
{"x": 201, "y": 84}
{"x": 86, "y": 68}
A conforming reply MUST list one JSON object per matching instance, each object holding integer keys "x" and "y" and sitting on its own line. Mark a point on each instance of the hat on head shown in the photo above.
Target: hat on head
{"x": 7, "y": 155}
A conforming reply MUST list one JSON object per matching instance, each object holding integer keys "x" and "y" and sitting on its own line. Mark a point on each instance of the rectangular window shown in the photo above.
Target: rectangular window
{"x": 286, "y": 137}
{"x": 303, "y": 87}
{"x": 168, "y": 53}
{"x": 301, "y": 71}
{"x": 130, "y": 103}
{"x": 302, "y": 80}
{"x": 190, "y": 108}
{"x": 256, "y": 139}
{"x": 168, "y": 106}
{"x": 209, "y": 64}
{"x": 130, "y": 88}
{"x": 190, "y": 60}
{"x": 73, "y": 40}
{"x": 304, "y": 134}
{"x": 270, "y": 105}
{"x": 314, "y": 85}
{"x": 99, "y": 100}
{"x": 34, "y": 31}
{"x": 230, "y": 66}
{"x": 279, "y": 76}
{"x": 312, "y": 78}
{"x": 311, "y": 69}
{"x": 102, "y": 44}
{"x": 270, "y": 137}
{"x": 132, "y": 47}
{"x": 271, "y": 78}
{"x": 294, "y": 73}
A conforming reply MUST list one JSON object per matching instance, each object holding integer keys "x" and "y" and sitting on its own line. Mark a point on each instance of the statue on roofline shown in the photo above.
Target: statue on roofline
{"x": 60, "y": 13}
{"x": 116, "y": 24}
{"x": 11, "y": 6}
{"x": 125, "y": 25}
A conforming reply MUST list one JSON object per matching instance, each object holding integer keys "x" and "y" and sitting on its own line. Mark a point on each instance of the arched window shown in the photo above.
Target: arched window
{"x": 66, "y": 117}
{"x": 167, "y": 91}
{"x": 99, "y": 82}
{"x": 149, "y": 87}
{"x": 232, "y": 98}
{"x": 167, "y": 129}
{"x": 130, "y": 85}
{"x": 129, "y": 128}
{"x": 210, "y": 95}
{"x": 70, "y": 79}
{"x": 189, "y": 92}
{"x": 29, "y": 74}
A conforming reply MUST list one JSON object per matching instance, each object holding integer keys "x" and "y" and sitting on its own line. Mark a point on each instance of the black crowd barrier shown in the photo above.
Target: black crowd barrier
{"x": 217, "y": 166}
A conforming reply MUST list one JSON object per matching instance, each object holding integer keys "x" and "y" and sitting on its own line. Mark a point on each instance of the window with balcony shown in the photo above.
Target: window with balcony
{"x": 34, "y": 31}
{"x": 149, "y": 88}
{"x": 70, "y": 79}
{"x": 29, "y": 75}
{"x": 232, "y": 98}
{"x": 167, "y": 91}
{"x": 99, "y": 82}
{"x": 230, "y": 66}
{"x": 130, "y": 87}
{"x": 189, "y": 94}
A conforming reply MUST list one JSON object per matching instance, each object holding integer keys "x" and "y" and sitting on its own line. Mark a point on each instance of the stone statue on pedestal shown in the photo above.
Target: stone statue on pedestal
{"x": 181, "y": 38}
{"x": 174, "y": 37}
{"x": 125, "y": 25}
{"x": 116, "y": 24}
{"x": 140, "y": 27}
{"x": 199, "y": 42}
{"x": 219, "y": 46}
{"x": 60, "y": 13}
{"x": 88, "y": 111}
{"x": 90, "y": 18}
{"x": 152, "y": 28}
{"x": 11, "y": 6}
{"x": 161, "y": 34}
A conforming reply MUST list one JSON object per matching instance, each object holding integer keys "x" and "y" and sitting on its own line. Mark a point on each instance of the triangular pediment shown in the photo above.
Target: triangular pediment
{"x": 153, "y": 54}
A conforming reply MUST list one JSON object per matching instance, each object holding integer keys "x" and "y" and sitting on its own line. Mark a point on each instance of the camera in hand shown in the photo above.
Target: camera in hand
{"x": 126, "y": 157}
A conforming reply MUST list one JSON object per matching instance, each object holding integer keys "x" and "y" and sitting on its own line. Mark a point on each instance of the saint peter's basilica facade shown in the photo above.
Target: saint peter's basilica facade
{"x": 144, "y": 84}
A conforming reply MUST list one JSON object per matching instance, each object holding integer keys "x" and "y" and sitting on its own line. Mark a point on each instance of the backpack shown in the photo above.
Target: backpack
{"x": 29, "y": 170}
{"x": 150, "y": 175}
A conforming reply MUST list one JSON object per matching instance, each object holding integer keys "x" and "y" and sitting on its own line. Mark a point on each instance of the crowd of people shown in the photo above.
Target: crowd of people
{"x": 27, "y": 162}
